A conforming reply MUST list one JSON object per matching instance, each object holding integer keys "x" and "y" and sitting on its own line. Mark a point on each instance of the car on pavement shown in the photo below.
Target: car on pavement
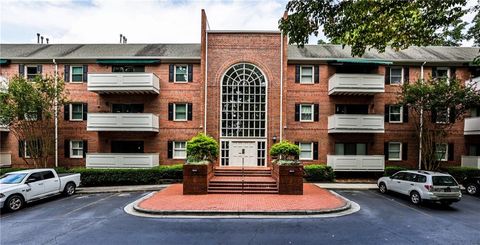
{"x": 20, "y": 187}
{"x": 422, "y": 186}
{"x": 472, "y": 185}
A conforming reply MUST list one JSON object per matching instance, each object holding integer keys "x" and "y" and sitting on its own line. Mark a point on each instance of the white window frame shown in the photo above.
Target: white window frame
{"x": 179, "y": 149}
{"x": 401, "y": 75}
{"x": 399, "y": 152}
{"x": 312, "y": 81}
{"x": 175, "y": 112}
{"x": 31, "y": 116}
{"x": 443, "y": 122}
{"x": 311, "y": 150}
{"x": 445, "y": 157}
{"x": 25, "y": 152}
{"x": 71, "y": 74}
{"x": 445, "y": 68}
{"x": 312, "y": 114}
{"x": 26, "y": 70}
{"x": 71, "y": 112}
{"x": 390, "y": 114}
{"x": 71, "y": 149}
{"x": 175, "y": 73}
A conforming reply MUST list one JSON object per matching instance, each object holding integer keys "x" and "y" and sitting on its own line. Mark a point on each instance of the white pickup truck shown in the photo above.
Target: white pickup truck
{"x": 20, "y": 187}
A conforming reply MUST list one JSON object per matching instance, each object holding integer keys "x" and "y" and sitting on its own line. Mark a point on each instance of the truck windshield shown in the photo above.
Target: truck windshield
{"x": 444, "y": 181}
{"x": 12, "y": 178}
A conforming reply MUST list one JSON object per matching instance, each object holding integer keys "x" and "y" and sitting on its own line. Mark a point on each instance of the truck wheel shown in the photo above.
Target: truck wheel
{"x": 14, "y": 203}
{"x": 69, "y": 189}
{"x": 472, "y": 189}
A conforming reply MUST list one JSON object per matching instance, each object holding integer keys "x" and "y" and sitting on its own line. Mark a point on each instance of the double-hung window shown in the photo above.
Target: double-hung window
{"x": 306, "y": 113}
{"x": 396, "y": 75}
{"x": 179, "y": 150}
{"x": 306, "y": 74}
{"x": 180, "y": 112}
{"x": 76, "y": 74}
{"x": 76, "y": 112}
{"x": 441, "y": 152}
{"x": 181, "y": 73}
{"x": 394, "y": 151}
{"x": 76, "y": 149}
{"x": 395, "y": 114}
{"x": 443, "y": 116}
{"x": 31, "y": 72}
{"x": 306, "y": 151}
{"x": 442, "y": 72}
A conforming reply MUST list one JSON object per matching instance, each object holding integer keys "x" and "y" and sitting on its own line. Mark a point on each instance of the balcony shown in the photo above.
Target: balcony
{"x": 356, "y": 162}
{"x": 471, "y": 161}
{"x": 125, "y": 83}
{"x": 472, "y": 126}
{"x": 4, "y": 128}
{"x": 356, "y": 84}
{"x": 122, "y": 160}
{"x": 125, "y": 122}
{"x": 475, "y": 82}
{"x": 5, "y": 159}
{"x": 356, "y": 123}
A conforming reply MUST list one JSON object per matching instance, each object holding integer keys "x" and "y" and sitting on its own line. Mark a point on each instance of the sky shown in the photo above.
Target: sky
{"x": 141, "y": 21}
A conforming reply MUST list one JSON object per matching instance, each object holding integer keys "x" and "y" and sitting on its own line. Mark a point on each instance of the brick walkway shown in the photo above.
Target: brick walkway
{"x": 171, "y": 199}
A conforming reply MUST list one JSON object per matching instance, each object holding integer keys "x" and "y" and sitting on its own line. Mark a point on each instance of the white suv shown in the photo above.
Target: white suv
{"x": 422, "y": 185}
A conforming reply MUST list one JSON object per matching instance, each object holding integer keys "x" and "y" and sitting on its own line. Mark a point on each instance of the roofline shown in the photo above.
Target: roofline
{"x": 402, "y": 61}
{"x": 244, "y": 31}
{"x": 106, "y": 57}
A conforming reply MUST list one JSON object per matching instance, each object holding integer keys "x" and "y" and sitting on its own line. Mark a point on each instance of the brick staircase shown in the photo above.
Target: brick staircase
{"x": 254, "y": 181}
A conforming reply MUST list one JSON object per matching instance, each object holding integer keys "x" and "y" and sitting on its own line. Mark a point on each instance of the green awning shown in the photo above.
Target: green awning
{"x": 364, "y": 61}
{"x": 4, "y": 61}
{"x": 126, "y": 61}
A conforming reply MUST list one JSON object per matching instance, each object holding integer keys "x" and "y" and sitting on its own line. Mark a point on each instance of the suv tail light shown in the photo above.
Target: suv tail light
{"x": 429, "y": 187}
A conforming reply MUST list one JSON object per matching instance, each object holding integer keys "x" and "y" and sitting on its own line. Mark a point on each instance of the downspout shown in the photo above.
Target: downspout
{"x": 56, "y": 112}
{"x": 281, "y": 86}
{"x": 205, "y": 83}
{"x": 421, "y": 124}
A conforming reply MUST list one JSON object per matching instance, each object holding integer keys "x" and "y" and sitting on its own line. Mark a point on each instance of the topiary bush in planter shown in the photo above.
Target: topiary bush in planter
{"x": 202, "y": 149}
{"x": 285, "y": 153}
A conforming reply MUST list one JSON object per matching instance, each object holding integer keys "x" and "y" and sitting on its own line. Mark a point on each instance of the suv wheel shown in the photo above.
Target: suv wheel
{"x": 415, "y": 198}
{"x": 472, "y": 189}
{"x": 14, "y": 203}
{"x": 382, "y": 188}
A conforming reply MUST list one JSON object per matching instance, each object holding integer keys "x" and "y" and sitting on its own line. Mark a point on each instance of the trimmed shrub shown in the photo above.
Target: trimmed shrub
{"x": 284, "y": 150}
{"x": 460, "y": 173}
{"x": 319, "y": 172}
{"x": 202, "y": 147}
{"x": 391, "y": 170}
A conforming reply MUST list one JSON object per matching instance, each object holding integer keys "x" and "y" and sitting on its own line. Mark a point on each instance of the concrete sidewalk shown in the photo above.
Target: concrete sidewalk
{"x": 347, "y": 186}
{"x": 124, "y": 188}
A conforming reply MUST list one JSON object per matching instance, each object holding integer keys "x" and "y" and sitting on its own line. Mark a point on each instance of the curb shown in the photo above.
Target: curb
{"x": 119, "y": 189}
{"x": 347, "y": 186}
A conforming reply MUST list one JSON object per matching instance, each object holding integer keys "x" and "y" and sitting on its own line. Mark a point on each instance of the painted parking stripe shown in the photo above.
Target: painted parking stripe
{"x": 90, "y": 204}
{"x": 401, "y": 204}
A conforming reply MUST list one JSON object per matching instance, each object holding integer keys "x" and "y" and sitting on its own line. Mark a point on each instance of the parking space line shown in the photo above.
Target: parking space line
{"x": 393, "y": 200}
{"x": 90, "y": 204}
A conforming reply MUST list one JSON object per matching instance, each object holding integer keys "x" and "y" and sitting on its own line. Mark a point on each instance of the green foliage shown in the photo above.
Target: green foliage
{"x": 284, "y": 150}
{"x": 319, "y": 172}
{"x": 460, "y": 173}
{"x": 391, "y": 170}
{"x": 474, "y": 31}
{"x": 202, "y": 147}
{"x": 375, "y": 24}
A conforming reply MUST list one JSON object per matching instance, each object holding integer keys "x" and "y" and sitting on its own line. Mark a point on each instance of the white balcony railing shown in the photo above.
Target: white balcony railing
{"x": 126, "y": 122}
{"x": 124, "y": 83}
{"x": 474, "y": 82}
{"x": 4, "y": 128}
{"x": 356, "y": 84}
{"x": 5, "y": 159}
{"x": 472, "y": 126}
{"x": 356, "y": 163}
{"x": 122, "y": 160}
{"x": 356, "y": 123}
{"x": 471, "y": 161}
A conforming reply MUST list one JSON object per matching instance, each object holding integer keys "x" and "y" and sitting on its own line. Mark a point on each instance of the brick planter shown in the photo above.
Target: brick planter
{"x": 196, "y": 178}
{"x": 289, "y": 179}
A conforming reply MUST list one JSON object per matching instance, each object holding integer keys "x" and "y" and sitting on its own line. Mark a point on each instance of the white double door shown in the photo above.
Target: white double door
{"x": 243, "y": 152}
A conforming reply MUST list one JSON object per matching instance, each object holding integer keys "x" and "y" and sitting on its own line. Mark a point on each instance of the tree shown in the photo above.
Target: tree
{"x": 202, "y": 148}
{"x": 474, "y": 31}
{"x": 423, "y": 100}
{"x": 376, "y": 24}
{"x": 28, "y": 108}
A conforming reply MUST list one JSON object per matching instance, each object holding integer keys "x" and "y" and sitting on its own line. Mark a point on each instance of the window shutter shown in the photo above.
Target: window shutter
{"x": 190, "y": 109}
{"x": 39, "y": 114}
{"x": 85, "y": 73}
{"x": 297, "y": 112}
{"x": 406, "y": 75}
{"x": 21, "y": 147}
{"x": 385, "y": 150}
{"x": 452, "y": 115}
{"x": 66, "y": 148}
{"x": 85, "y": 110}
{"x": 66, "y": 112}
{"x": 450, "y": 152}
{"x": 170, "y": 111}
{"x": 405, "y": 113}
{"x": 434, "y": 116}
{"x": 315, "y": 150}
{"x": 387, "y": 113}
{"x": 434, "y": 72}
{"x": 170, "y": 73}
{"x": 297, "y": 74}
{"x": 317, "y": 74}
{"x": 66, "y": 74}
{"x": 85, "y": 148}
{"x": 453, "y": 71}
{"x": 170, "y": 150}
{"x": 387, "y": 74}
{"x": 316, "y": 113}
{"x": 21, "y": 70}
{"x": 404, "y": 151}
{"x": 39, "y": 69}
{"x": 190, "y": 73}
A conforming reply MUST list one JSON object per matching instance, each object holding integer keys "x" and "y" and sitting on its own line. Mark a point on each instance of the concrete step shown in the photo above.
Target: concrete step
{"x": 243, "y": 174}
{"x": 242, "y": 192}
{"x": 245, "y": 188}
{"x": 239, "y": 185}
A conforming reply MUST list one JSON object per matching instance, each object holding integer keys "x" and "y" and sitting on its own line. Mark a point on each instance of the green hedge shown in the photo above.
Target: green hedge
{"x": 460, "y": 173}
{"x": 391, "y": 170}
{"x": 319, "y": 172}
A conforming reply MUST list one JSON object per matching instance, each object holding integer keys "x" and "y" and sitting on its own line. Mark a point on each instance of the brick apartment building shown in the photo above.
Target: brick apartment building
{"x": 135, "y": 105}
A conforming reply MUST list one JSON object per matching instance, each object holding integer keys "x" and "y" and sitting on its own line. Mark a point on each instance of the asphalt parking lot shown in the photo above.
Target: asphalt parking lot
{"x": 100, "y": 219}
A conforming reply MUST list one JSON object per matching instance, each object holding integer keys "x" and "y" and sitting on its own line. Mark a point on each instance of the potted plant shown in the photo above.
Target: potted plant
{"x": 287, "y": 169}
{"x": 202, "y": 151}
